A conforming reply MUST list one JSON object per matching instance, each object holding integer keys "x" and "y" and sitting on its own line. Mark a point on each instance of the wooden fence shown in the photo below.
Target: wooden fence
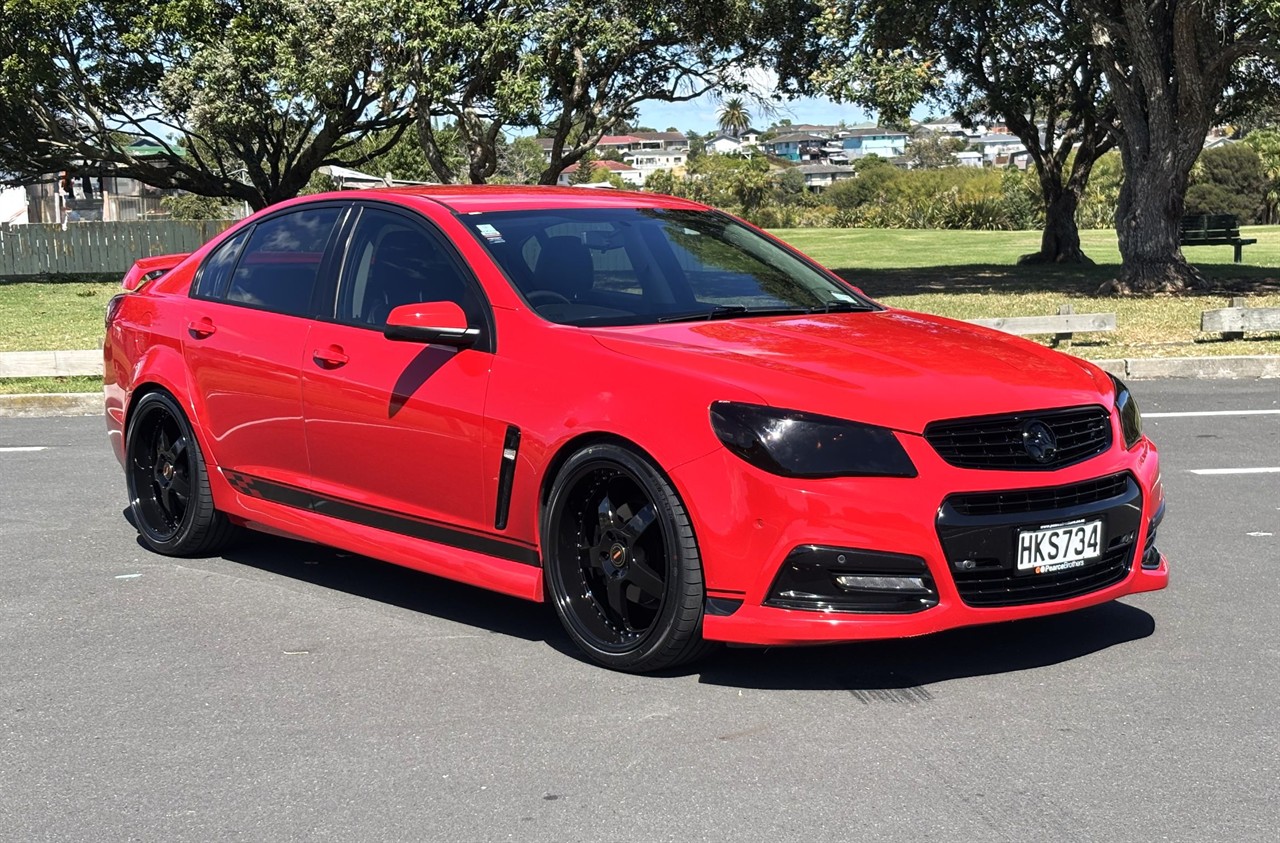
{"x": 97, "y": 247}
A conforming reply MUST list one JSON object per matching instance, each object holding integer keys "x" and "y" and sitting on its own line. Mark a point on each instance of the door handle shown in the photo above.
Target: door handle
{"x": 201, "y": 328}
{"x": 331, "y": 357}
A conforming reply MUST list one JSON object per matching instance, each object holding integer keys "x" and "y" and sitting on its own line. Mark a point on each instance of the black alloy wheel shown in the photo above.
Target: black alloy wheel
{"x": 168, "y": 486}
{"x": 622, "y": 563}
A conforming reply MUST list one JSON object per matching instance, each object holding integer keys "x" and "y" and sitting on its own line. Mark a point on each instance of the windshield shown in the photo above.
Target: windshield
{"x": 629, "y": 266}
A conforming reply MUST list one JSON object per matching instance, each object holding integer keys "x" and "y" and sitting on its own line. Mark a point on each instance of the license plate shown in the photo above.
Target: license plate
{"x": 1059, "y": 548}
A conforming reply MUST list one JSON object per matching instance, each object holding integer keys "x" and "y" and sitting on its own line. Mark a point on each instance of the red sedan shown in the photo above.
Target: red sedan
{"x": 673, "y": 427}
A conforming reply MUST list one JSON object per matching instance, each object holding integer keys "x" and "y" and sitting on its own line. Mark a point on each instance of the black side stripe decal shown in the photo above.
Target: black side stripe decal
{"x": 381, "y": 519}
{"x": 506, "y": 475}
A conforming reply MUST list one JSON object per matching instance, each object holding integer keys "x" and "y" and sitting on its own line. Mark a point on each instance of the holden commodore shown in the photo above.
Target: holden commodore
{"x": 671, "y": 426}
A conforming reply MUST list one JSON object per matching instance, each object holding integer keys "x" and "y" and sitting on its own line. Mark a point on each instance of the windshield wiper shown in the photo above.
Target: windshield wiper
{"x": 727, "y": 311}
{"x": 841, "y": 307}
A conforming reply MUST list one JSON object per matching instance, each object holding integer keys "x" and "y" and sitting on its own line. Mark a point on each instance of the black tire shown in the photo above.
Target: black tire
{"x": 622, "y": 564}
{"x": 168, "y": 485}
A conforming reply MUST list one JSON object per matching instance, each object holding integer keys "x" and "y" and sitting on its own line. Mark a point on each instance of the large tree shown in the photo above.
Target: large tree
{"x": 573, "y": 69}
{"x": 1175, "y": 67}
{"x": 243, "y": 99}
{"x": 1025, "y": 63}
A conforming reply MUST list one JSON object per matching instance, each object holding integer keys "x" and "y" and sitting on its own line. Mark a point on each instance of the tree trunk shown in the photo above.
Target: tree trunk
{"x": 1148, "y": 219}
{"x": 1060, "y": 241}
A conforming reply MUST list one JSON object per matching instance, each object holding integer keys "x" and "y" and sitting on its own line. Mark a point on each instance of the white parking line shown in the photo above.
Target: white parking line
{"x": 1188, "y": 415}
{"x": 1269, "y": 470}
{"x": 22, "y": 450}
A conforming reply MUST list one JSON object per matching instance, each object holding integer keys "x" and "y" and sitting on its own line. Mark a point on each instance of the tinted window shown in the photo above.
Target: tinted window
{"x": 216, "y": 270}
{"x": 281, "y": 262}
{"x": 634, "y": 266}
{"x": 391, "y": 260}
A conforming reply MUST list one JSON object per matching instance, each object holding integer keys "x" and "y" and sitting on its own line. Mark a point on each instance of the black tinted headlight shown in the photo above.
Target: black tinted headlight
{"x": 1130, "y": 417}
{"x": 796, "y": 444}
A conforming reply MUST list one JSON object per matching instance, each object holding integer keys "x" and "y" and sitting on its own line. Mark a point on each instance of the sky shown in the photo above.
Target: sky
{"x": 700, "y": 114}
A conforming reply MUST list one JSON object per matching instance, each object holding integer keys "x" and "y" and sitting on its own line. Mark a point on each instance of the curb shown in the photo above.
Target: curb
{"x": 1238, "y": 367}
{"x": 40, "y": 405}
{"x": 37, "y": 405}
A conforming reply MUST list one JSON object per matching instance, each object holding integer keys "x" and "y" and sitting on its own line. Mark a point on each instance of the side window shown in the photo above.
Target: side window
{"x": 216, "y": 270}
{"x": 392, "y": 261}
{"x": 281, "y": 262}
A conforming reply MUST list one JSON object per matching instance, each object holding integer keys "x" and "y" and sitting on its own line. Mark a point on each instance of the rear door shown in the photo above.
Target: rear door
{"x": 396, "y": 427}
{"x": 252, "y": 307}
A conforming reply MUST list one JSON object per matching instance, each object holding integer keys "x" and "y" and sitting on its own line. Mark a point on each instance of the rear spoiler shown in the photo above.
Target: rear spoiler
{"x": 145, "y": 269}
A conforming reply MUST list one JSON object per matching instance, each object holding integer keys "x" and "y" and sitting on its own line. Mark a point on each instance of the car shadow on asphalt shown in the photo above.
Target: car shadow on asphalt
{"x": 395, "y": 585}
{"x": 874, "y": 670}
{"x": 901, "y": 670}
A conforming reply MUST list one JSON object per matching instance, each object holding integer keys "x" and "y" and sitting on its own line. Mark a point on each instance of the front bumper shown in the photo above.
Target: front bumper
{"x": 744, "y": 516}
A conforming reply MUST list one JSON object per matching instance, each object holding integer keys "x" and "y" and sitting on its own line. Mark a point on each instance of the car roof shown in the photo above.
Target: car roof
{"x": 479, "y": 198}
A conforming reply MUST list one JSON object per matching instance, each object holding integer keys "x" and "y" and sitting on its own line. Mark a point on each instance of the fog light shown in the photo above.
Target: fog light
{"x": 864, "y": 583}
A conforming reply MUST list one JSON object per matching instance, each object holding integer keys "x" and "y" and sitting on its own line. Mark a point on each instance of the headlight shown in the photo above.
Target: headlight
{"x": 796, "y": 444}
{"x": 1130, "y": 417}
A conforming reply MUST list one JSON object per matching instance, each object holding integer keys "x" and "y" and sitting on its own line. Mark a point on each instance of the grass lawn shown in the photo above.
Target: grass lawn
{"x": 974, "y": 274}
{"x": 963, "y": 274}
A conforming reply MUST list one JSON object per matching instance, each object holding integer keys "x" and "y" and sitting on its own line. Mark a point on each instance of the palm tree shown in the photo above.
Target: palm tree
{"x": 734, "y": 117}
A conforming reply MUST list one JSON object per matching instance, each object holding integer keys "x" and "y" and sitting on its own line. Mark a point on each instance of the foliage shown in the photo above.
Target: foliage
{"x": 929, "y": 151}
{"x": 189, "y": 206}
{"x": 1229, "y": 180}
{"x": 574, "y": 70}
{"x": 243, "y": 99}
{"x": 1173, "y": 69}
{"x": 1026, "y": 63}
{"x": 586, "y": 168}
{"x": 1102, "y": 195}
{"x": 732, "y": 117}
{"x": 1266, "y": 142}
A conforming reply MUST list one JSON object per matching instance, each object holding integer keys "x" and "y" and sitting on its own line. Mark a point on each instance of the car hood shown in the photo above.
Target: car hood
{"x": 893, "y": 368}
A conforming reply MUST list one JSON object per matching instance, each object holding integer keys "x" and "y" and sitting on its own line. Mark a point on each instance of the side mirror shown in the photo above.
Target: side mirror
{"x": 434, "y": 322}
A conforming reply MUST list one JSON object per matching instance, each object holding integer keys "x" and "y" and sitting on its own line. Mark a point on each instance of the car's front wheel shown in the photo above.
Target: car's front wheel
{"x": 622, "y": 562}
{"x": 168, "y": 485}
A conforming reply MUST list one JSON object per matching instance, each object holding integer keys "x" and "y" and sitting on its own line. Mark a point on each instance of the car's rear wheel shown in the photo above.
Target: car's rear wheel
{"x": 168, "y": 483}
{"x": 622, "y": 562}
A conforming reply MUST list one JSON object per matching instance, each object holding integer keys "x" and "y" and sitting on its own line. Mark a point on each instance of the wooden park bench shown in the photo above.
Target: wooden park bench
{"x": 1063, "y": 326}
{"x": 1233, "y": 321}
{"x": 1213, "y": 230}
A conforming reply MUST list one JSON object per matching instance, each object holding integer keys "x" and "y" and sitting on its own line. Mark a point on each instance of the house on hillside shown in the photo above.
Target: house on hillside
{"x": 886, "y": 143}
{"x": 818, "y": 177}
{"x": 797, "y": 146}
{"x": 630, "y": 175}
{"x": 744, "y": 144}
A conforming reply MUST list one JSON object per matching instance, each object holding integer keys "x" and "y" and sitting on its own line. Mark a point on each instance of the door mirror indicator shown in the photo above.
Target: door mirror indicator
{"x": 433, "y": 322}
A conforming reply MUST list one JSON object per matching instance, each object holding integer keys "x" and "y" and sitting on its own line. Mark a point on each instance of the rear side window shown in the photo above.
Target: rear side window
{"x": 281, "y": 261}
{"x": 216, "y": 272}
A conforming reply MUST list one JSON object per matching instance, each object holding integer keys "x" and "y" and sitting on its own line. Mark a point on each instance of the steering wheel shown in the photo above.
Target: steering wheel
{"x": 538, "y": 298}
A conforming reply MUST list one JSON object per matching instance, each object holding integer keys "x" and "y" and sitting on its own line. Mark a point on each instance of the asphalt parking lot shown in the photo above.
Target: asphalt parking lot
{"x": 288, "y": 692}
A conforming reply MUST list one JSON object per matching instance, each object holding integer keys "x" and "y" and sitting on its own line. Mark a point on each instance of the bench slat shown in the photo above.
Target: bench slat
{"x": 1238, "y": 319}
{"x": 1064, "y": 324}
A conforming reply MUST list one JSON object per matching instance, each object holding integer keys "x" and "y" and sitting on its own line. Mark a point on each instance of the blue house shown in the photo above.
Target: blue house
{"x": 875, "y": 141}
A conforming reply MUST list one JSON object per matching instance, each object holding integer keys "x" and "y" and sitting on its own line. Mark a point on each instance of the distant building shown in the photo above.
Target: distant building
{"x": 885, "y": 143}
{"x": 817, "y": 177}
{"x": 627, "y": 173}
{"x": 797, "y": 146}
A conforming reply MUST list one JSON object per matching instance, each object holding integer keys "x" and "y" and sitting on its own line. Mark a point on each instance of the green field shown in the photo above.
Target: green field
{"x": 974, "y": 274}
{"x": 963, "y": 274}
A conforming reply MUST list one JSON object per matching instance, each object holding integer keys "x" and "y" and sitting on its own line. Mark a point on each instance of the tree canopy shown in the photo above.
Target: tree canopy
{"x": 236, "y": 98}
{"x": 1024, "y": 63}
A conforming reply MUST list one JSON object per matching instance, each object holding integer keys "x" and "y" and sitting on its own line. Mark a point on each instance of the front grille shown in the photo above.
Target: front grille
{"x": 997, "y": 442}
{"x": 1001, "y": 588}
{"x": 1034, "y": 500}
